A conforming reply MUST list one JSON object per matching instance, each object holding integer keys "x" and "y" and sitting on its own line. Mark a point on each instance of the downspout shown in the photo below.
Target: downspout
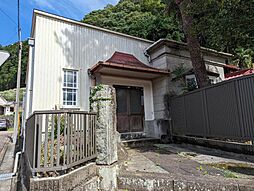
{"x": 7, "y": 176}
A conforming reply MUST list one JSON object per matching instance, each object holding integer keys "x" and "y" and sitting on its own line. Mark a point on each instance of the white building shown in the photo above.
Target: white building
{"x": 6, "y": 108}
{"x": 68, "y": 57}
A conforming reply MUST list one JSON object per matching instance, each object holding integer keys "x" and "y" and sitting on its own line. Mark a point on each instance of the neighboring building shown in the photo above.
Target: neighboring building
{"x": 239, "y": 73}
{"x": 6, "y": 108}
{"x": 68, "y": 57}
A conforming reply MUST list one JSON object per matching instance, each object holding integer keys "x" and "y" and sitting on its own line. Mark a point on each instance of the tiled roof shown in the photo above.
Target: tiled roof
{"x": 239, "y": 73}
{"x": 127, "y": 61}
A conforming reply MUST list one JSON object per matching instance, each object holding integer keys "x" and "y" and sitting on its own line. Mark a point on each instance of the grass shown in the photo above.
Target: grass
{"x": 10, "y": 129}
{"x": 229, "y": 174}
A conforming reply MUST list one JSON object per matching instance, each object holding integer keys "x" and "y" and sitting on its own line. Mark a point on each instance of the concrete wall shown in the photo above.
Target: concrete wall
{"x": 65, "y": 44}
{"x": 171, "y": 58}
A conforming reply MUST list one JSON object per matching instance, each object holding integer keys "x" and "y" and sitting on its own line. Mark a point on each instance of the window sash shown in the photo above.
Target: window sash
{"x": 70, "y": 88}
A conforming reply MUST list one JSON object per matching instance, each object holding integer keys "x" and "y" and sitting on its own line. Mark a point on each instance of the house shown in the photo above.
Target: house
{"x": 67, "y": 57}
{"x": 6, "y": 108}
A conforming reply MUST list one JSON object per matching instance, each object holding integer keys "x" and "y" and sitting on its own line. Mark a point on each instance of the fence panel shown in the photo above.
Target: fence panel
{"x": 224, "y": 111}
{"x": 57, "y": 140}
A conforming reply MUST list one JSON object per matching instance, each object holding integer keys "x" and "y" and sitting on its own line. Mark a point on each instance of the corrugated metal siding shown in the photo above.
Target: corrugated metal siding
{"x": 224, "y": 110}
{"x": 59, "y": 44}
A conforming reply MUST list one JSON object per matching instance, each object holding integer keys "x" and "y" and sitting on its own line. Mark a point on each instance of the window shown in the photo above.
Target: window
{"x": 70, "y": 88}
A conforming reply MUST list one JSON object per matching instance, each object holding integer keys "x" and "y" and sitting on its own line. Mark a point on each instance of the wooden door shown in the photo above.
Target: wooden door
{"x": 130, "y": 109}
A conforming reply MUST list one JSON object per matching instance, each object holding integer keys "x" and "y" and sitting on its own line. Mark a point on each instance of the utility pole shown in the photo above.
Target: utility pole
{"x": 16, "y": 120}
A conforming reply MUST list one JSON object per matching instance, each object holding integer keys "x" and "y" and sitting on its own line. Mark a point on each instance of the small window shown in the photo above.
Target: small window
{"x": 70, "y": 88}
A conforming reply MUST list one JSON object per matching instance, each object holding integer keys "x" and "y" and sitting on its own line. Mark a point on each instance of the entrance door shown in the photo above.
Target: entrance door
{"x": 130, "y": 109}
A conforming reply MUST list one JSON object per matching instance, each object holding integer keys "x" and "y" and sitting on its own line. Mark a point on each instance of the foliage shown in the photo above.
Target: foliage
{"x": 8, "y": 71}
{"x": 179, "y": 71}
{"x": 10, "y": 95}
{"x": 62, "y": 125}
{"x": 244, "y": 57}
{"x": 143, "y": 18}
{"x": 226, "y": 25}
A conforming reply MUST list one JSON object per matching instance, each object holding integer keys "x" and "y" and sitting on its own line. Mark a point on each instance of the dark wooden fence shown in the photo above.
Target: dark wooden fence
{"x": 58, "y": 140}
{"x": 221, "y": 111}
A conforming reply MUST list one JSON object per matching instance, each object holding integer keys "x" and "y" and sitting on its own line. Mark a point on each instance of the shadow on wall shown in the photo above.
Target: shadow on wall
{"x": 84, "y": 46}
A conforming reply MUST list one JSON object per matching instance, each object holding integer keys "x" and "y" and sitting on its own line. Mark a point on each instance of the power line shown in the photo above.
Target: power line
{"x": 8, "y": 16}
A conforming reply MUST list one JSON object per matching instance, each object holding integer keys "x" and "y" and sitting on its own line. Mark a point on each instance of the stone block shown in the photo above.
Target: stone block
{"x": 108, "y": 176}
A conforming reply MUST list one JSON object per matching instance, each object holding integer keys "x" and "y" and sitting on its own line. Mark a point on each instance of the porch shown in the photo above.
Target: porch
{"x": 133, "y": 81}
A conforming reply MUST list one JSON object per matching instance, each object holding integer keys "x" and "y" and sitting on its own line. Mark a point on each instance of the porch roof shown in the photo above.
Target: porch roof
{"x": 127, "y": 65}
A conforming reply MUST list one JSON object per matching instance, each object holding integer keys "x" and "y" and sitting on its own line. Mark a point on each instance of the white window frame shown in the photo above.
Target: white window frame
{"x": 65, "y": 87}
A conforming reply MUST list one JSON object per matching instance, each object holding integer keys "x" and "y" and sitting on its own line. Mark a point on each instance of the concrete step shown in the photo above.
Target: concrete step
{"x": 140, "y": 142}
{"x": 156, "y": 181}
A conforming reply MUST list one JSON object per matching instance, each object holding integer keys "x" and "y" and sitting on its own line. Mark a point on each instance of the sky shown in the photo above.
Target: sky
{"x": 74, "y": 9}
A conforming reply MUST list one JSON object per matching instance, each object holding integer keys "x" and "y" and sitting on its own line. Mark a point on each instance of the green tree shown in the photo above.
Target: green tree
{"x": 143, "y": 18}
{"x": 8, "y": 71}
{"x": 225, "y": 25}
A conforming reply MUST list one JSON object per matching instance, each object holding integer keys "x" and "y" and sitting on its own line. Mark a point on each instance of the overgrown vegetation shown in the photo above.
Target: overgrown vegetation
{"x": 10, "y": 95}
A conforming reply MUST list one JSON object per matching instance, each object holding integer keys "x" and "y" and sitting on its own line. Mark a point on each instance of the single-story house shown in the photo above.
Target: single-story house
{"x": 6, "y": 107}
{"x": 67, "y": 57}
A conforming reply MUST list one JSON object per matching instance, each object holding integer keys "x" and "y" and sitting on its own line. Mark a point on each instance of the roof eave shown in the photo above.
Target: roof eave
{"x": 174, "y": 43}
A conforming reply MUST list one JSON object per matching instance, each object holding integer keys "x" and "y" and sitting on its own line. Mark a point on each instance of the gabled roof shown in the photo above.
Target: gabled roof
{"x": 124, "y": 63}
{"x": 239, "y": 73}
{"x": 4, "y": 102}
{"x": 75, "y": 22}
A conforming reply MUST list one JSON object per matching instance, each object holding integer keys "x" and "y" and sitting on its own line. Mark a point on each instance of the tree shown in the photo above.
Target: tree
{"x": 225, "y": 25}
{"x": 141, "y": 18}
{"x": 8, "y": 71}
{"x": 190, "y": 32}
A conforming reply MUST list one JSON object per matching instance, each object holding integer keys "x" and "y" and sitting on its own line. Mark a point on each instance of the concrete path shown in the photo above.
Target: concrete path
{"x": 6, "y": 160}
{"x": 171, "y": 165}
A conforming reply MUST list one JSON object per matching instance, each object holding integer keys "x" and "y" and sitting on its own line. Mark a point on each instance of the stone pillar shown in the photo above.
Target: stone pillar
{"x": 103, "y": 102}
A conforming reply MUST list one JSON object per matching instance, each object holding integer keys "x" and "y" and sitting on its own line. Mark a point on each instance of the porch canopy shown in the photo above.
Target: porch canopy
{"x": 126, "y": 65}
